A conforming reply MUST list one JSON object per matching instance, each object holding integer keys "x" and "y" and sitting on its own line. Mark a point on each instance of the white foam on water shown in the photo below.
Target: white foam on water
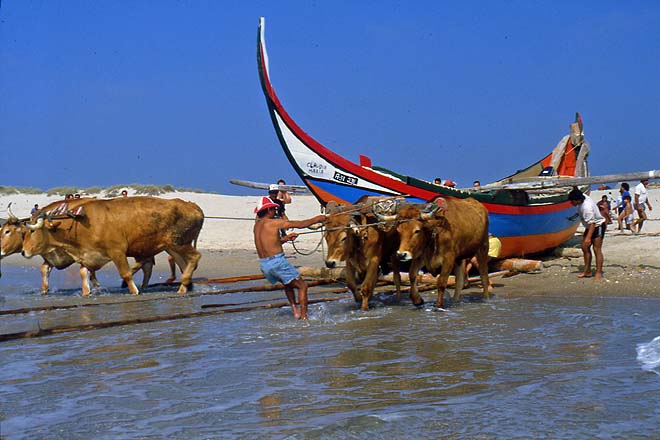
{"x": 648, "y": 355}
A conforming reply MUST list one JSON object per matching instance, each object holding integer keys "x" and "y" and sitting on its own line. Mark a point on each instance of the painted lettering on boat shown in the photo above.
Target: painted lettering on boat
{"x": 316, "y": 168}
{"x": 345, "y": 179}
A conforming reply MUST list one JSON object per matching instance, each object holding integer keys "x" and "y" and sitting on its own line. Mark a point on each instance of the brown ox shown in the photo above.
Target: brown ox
{"x": 112, "y": 230}
{"x": 364, "y": 248}
{"x": 13, "y": 232}
{"x": 440, "y": 236}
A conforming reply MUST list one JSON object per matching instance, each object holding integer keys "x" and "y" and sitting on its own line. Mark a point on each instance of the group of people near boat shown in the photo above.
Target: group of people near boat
{"x": 596, "y": 216}
{"x": 626, "y": 206}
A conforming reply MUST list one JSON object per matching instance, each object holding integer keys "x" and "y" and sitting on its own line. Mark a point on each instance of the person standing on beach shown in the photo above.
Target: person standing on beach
{"x": 273, "y": 193}
{"x": 641, "y": 202}
{"x": 283, "y": 195}
{"x": 273, "y": 263}
{"x": 594, "y": 232}
{"x": 628, "y": 213}
{"x": 621, "y": 204}
{"x": 605, "y": 207}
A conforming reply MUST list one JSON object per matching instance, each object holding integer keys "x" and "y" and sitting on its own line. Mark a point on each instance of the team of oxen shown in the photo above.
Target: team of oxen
{"x": 374, "y": 235}
{"x": 378, "y": 233}
{"x": 93, "y": 232}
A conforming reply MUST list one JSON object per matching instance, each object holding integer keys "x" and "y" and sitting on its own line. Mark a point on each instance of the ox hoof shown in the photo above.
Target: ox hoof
{"x": 365, "y": 305}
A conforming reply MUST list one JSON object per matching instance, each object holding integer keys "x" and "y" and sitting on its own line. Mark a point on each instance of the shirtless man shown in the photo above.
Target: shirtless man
{"x": 271, "y": 256}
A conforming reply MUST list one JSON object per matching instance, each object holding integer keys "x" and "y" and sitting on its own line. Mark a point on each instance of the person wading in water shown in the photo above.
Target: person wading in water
{"x": 271, "y": 256}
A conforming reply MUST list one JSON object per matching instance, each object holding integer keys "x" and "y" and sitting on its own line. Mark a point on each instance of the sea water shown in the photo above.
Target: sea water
{"x": 522, "y": 368}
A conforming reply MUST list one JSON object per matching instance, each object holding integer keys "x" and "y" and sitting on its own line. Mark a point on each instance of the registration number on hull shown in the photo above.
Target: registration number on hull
{"x": 343, "y": 178}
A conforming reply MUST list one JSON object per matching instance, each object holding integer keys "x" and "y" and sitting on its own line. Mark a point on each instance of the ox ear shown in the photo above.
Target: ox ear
{"x": 331, "y": 206}
{"x": 354, "y": 226}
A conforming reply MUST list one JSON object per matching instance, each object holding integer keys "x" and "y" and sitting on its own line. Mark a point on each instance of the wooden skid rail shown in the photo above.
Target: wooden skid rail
{"x": 64, "y": 329}
{"x": 235, "y": 308}
{"x": 264, "y": 288}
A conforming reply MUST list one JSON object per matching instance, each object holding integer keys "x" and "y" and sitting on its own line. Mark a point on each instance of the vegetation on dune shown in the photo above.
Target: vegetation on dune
{"x": 62, "y": 190}
{"x": 97, "y": 191}
{"x": 191, "y": 190}
{"x": 6, "y": 190}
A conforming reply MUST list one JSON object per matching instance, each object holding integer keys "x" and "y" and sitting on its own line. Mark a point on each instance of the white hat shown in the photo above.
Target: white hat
{"x": 273, "y": 187}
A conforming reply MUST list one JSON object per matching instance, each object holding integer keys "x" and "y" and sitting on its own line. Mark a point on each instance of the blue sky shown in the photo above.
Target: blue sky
{"x": 98, "y": 93}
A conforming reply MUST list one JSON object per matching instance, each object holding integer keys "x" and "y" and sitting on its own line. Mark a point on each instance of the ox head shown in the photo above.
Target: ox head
{"x": 36, "y": 241}
{"x": 412, "y": 234}
{"x": 340, "y": 230}
{"x": 11, "y": 237}
{"x": 12, "y": 234}
{"x": 415, "y": 224}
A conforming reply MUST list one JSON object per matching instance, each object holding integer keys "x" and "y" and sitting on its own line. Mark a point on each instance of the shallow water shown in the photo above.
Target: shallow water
{"x": 561, "y": 368}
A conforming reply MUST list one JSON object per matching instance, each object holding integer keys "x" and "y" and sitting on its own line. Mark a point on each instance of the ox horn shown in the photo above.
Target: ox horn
{"x": 12, "y": 216}
{"x": 429, "y": 211}
{"x": 38, "y": 225}
{"x": 385, "y": 210}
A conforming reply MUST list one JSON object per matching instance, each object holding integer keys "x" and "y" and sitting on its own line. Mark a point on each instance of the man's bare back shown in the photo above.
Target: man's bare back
{"x": 275, "y": 267}
{"x": 266, "y": 233}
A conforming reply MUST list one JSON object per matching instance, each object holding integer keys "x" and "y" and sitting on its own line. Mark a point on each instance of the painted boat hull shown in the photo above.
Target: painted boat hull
{"x": 524, "y": 225}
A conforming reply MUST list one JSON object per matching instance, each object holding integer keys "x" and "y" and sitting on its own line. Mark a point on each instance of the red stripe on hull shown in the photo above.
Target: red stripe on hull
{"x": 528, "y": 209}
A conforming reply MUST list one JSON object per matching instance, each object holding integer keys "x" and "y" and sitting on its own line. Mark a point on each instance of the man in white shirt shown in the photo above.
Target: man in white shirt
{"x": 594, "y": 232}
{"x": 641, "y": 202}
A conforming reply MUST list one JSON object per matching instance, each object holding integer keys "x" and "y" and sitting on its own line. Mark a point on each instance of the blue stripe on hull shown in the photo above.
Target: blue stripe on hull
{"x": 352, "y": 193}
{"x": 511, "y": 225}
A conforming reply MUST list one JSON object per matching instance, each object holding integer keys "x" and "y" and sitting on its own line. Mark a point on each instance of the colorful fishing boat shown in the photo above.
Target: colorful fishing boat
{"x": 526, "y": 215}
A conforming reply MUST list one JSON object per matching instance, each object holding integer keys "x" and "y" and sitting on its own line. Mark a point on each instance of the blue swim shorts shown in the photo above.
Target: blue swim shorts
{"x": 277, "y": 269}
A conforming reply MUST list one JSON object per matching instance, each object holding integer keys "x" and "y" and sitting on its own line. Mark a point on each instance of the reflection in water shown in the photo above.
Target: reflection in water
{"x": 270, "y": 409}
{"x": 560, "y": 368}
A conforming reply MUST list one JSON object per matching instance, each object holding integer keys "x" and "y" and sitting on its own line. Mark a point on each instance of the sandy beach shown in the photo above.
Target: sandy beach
{"x": 632, "y": 262}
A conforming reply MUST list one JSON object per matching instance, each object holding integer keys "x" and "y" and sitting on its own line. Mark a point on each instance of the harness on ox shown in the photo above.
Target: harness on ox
{"x": 62, "y": 211}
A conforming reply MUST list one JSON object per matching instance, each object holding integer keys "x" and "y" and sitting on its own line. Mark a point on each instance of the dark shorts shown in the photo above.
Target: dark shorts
{"x": 599, "y": 231}
{"x": 277, "y": 269}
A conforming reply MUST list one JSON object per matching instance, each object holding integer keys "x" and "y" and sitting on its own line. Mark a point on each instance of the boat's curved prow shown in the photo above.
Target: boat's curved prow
{"x": 328, "y": 175}
{"x": 525, "y": 222}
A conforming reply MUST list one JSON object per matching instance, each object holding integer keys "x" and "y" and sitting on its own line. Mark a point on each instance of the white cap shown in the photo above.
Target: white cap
{"x": 273, "y": 187}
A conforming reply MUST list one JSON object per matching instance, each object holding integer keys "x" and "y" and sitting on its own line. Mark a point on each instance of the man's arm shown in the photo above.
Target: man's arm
{"x": 303, "y": 223}
{"x": 590, "y": 232}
